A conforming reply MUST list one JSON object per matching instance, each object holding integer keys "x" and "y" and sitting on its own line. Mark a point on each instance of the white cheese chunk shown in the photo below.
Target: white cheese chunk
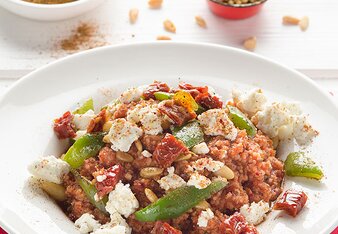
{"x": 149, "y": 116}
{"x": 82, "y": 121}
{"x": 122, "y": 200}
{"x": 131, "y": 95}
{"x": 215, "y": 122}
{"x": 171, "y": 181}
{"x": 118, "y": 229}
{"x": 122, "y": 134}
{"x": 86, "y": 223}
{"x": 49, "y": 168}
{"x": 79, "y": 134}
{"x": 207, "y": 163}
{"x": 199, "y": 181}
{"x": 249, "y": 103}
{"x": 256, "y": 212}
{"x": 146, "y": 153}
{"x": 201, "y": 148}
{"x": 285, "y": 121}
{"x": 204, "y": 217}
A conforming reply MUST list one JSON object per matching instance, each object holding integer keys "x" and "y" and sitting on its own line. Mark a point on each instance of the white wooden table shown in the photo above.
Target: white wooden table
{"x": 26, "y": 45}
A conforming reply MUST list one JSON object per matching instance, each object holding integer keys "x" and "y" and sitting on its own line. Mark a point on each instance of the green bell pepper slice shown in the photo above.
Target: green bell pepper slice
{"x": 190, "y": 134}
{"x": 90, "y": 191}
{"x": 177, "y": 202}
{"x": 161, "y": 96}
{"x": 83, "y": 148}
{"x": 298, "y": 164}
{"x": 88, "y": 105}
{"x": 241, "y": 121}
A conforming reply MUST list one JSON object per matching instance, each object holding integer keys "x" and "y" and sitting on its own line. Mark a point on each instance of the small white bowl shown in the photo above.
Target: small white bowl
{"x": 49, "y": 12}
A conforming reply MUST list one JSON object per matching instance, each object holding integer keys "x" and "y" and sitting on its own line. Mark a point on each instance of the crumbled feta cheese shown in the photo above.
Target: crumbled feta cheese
{"x": 204, "y": 217}
{"x": 171, "y": 181}
{"x": 122, "y": 200}
{"x": 79, "y": 134}
{"x": 122, "y": 134}
{"x": 215, "y": 122}
{"x": 49, "y": 168}
{"x": 117, "y": 219}
{"x": 285, "y": 121}
{"x": 249, "y": 103}
{"x": 86, "y": 223}
{"x": 111, "y": 230}
{"x": 201, "y": 148}
{"x": 131, "y": 95}
{"x": 101, "y": 178}
{"x": 149, "y": 116}
{"x": 256, "y": 212}
{"x": 146, "y": 153}
{"x": 207, "y": 163}
{"x": 199, "y": 181}
{"x": 82, "y": 121}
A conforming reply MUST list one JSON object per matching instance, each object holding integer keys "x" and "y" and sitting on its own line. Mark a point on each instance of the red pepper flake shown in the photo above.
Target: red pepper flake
{"x": 168, "y": 150}
{"x": 155, "y": 87}
{"x": 107, "y": 179}
{"x": 292, "y": 202}
{"x": 236, "y": 224}
{"x": 96, "y": 124}
{"x": 64, "y": 126}
{"x": 164, "y": 228}
{"x": 208, "y": 101}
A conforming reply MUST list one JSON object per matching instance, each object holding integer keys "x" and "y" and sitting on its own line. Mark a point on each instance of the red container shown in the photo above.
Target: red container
{"x": 235, "y": 12}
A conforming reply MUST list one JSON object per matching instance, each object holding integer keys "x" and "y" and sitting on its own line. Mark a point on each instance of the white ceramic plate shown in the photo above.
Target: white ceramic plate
{"x": 29, "y": 107}
{"x": 49, "y": 12}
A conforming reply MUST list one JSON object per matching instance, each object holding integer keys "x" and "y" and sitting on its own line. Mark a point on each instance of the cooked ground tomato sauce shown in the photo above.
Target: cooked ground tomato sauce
{"x": 159, "y": 163}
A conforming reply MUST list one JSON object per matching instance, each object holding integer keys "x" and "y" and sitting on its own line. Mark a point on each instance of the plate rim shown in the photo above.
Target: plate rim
{"x": 30, "y": 76}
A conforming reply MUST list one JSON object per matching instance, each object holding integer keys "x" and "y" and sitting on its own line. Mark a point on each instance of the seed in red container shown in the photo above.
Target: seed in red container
{"x": 292, "y": 202}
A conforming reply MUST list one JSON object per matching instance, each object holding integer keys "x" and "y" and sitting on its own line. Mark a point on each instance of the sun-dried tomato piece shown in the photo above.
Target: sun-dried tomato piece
{"x": 64, "y": 126}
{"x": 96, "y": 124}
{"x": 164, "y": 228}
{"x": 292, "y": 202}
{"x": 236, "y": 224}
{"x": 177, "y": 113}
{"x": 106, "y": 179}
{"x": 168, "y": 150}
{"x": 193, "y": 90}
{"x": 155, "y": 87}
{"x": 208, "y": 101}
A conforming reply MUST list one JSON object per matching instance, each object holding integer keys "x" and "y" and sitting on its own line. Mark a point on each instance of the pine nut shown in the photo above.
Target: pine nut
{"x": 250, "y": 43}
{"x": 203, "y": 205}
{"x": 183, "y": 157}
{"x": 304, "y": 23}
{"x": 225, "y": 172}
{"x": 133, "y": 15}
{"x": 106, "y": 126}
{"x": 290, "y": 20}
{"x": 150, "y": 195}
{"x": 106, "y": 139}
{"x": 128, "y": 176}
{"x": 164, "y": 38}
{"x": 124, "y": 157}
{"x": 169, "y": 26}
{"x": 149, "y": 172}
{"x": 155, "y": 3}
{"x": 56, "y": 191}
{"x": 139, "y": 146}
{"x": 200, "y": 21}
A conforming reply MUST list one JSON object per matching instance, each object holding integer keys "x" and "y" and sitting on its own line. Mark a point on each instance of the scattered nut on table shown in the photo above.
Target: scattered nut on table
{"x": 169, "y": 26}
{"x": 304, "y": 23}
{"x": 250, "y": 43}
{"x": 133, "y": 15}
{"x": 155, "y": 3}
{"x": 200, "y": 21}
{"x": 163, "y": 38}
{"x": 287, "y": 20}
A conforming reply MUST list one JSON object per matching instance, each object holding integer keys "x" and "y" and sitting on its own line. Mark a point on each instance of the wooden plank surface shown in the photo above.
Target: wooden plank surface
{"x": 26, "y": 45}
